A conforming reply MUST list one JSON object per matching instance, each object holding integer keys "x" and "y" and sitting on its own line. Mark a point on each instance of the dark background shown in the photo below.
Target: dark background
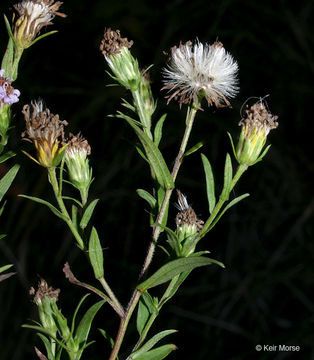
{"x": 266, "y": 242}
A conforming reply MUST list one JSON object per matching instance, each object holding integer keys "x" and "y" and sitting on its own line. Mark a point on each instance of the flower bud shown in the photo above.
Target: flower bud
{"x": 80, "y": 172}
{"x": 256, "y": 125}
{"x": 120, "y": 60}
{"x": 146, "y": 94}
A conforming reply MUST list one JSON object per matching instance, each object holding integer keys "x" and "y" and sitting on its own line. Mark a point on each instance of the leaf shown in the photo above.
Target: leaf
{"x": 227, "y": 179}
{"x": 84, "y": 327}
{"x": 173, "y": 240}
{"x": 88, "y": 213}
{"x": 148, "y": 197}
{"x": 171, "y": 269}
{"x": 43, "y": 36}
{"x": 40, "y": 355}
{"x": 194, "y": 148}
{"x": 153, "y": 154}
{"x": 142, "y": 316}
{"x": 156, "y": 354}
{"x": 7, "y": 180}
{"x": 7, "y": 156}
{"x": 158, "y": 129}
{"x": 1, "y": 211}
{"x": 210, "y": 183}
{"x": 151, "y": 343}
{"x": 232, "y": 145}
{"x": 44, "y": 202}
{"x": 72, "y": 199}
{"x": 263, "y": 154}
{"x": 5, "y": 267}
{"x": 95, "y": 254}
{"x": 47, "y": 344}
{"x": 231, "y": 203}
{"x": 107, "y": 337}
{"x": 150, "y": 302}
{"x": 76, "y": 311}
{"x": 6, "y": 276}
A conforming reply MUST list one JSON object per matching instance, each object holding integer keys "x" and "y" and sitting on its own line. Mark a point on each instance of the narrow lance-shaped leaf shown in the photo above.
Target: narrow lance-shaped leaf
{"x": 156, "y": 354}
{"x": 151, "y": 343}
{"x": 227, "y": 179}
{"x": 142, "y": 316}
{"x": 7, "y": 156}
{"x": 7, "y": 180}
{"x": 84, "y": 327}
{"x": 158, "y": 129}
{"x": 44, "y": 202}
{"x": 147, "y": 196}
{"x": 194, "y": 148}
{"x": 95, "y": 254}
{"x": 210, "y": 183}
{"x": 88, "y": 213}
{"x": 171, "y": 269}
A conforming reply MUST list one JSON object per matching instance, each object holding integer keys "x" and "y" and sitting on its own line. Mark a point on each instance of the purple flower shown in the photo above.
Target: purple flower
{"x": 8, "y": 95}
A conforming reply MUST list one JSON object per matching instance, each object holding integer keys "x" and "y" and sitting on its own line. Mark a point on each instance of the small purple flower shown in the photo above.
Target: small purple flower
{"x": 8, "y": 95}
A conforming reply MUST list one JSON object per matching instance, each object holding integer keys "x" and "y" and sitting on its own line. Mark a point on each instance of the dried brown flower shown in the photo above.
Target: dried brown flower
{"x": 112, "y": 43}
{"x": 43, "y": 290}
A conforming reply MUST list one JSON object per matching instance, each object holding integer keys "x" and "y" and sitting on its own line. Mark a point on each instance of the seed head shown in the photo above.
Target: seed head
{"x": 43, "y": 291}
{"x": 46, "y": 131}
{"x": 196, "y": 71}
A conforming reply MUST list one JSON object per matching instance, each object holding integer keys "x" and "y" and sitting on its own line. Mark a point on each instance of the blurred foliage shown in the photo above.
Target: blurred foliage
{"x": 266, "y": 242}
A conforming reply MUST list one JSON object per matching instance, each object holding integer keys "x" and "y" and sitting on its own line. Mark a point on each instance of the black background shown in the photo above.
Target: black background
{"x": 266, "y": 242}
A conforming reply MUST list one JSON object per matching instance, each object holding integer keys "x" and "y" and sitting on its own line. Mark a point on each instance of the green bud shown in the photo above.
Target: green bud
{"x": 120, "y": 60}
{"x": 255, "y": 128}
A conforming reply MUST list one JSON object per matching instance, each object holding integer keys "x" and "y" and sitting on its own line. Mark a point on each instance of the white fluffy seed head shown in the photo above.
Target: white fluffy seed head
{"x": 198, "y": 69}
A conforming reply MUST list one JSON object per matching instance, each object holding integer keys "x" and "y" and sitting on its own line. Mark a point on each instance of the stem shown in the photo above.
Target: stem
{"x": 156, "y": 232}
{"x": 58, "y": 195}
{"x": 144, "y": 117}
{"x": 115, "y": 302}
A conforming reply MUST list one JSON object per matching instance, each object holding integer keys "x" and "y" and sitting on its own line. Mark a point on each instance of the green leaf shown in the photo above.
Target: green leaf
{"x": 7, "y": 156}
{"x": 84, "y": 326}
{"x": 139, "y": 149}
{"x": 150, "y": 302}
{"x": 88, "y": 213}
{"x": 173, "y": 240}
{"x": 1, "y": 211}
{"x": 171, "y": 269}
{"x": 153, "y": 154}
{"x": 156, "y": 354}
{"x": 231, "y": 203}
{"x": 43, "y": 36}
{"x": 44, "y": 202}
{"x": 148, "y": 197}
{"x": 194, "y": 148}
{"x": 107, "y": 337}
{"x": 72, "y": 199}
{"x": 7, "y": 180}
{"x": 232, "y": 145}
{"x": 142, "y": 316}
{"x": 76, "y": 311}
{"x": 151, "y": 343}
{"x": 210, "y": 183}
{"x": 158, "y": 129}
{"x": 95, "y": 254}
{"x": 47, "y": 344}
{"x": 227, "y": 179}
{"x": 263, "y": 154}
{"x": 5, "y": 267}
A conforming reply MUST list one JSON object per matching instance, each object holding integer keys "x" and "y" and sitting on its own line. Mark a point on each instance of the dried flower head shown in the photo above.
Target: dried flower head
{"x": 256, "y": 125}
{"x": 8, "y": 95}
{"x": 32, "y": 16}
{"x": 120, "y": 60}
{"x": 43, "y": 291}
{"x": 80, "y": 172}
{"x": 46, "y": 131}
{"x": 201, "y": 71}
{"x": 186, "y": 216}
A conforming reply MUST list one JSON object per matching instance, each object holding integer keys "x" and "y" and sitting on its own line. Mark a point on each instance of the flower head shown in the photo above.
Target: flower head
{"x": 201, "y": 70}
{"x": 8, "y": 95}
{"x": 77, "y": 162}
{"x": 46, "y": 131}
{"x": 120, "y": 60}
{"x": 256, "y": 125}
{"x": 33, "y": 15}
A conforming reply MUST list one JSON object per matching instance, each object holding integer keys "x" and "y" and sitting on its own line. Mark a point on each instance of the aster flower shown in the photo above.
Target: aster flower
{"x": 33, "y": 15}
{"x": 256, "y": 125}
{"x": 76, "y": 159}
{"x": 8, "y": 95}
{"x": 46, "y": 131}
{"x": 201, "y": 70}
{"x": 120, "y": 60}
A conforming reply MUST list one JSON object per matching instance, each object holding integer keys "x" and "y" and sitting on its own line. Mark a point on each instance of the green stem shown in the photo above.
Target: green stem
{"x": 115, "y": 301}
{"x": 142, "y": 113}
{"x": 58, "y": 195}
{"x": 156, "y": 232}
